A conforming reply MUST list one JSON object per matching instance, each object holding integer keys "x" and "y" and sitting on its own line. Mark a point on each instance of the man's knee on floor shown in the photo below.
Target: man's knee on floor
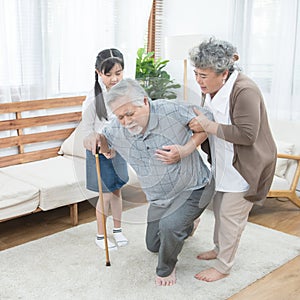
{"x": 152, "y": 247}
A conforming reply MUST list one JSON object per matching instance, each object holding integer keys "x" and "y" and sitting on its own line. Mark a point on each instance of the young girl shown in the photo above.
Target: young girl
{"x": 108, "y": 71}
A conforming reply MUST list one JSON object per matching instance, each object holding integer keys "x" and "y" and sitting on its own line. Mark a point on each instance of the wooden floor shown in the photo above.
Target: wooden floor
{"x": 281, "y": 284}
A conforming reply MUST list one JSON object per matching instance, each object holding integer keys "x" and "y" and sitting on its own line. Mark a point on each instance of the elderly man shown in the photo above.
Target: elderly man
{"x": 149, "y": 134}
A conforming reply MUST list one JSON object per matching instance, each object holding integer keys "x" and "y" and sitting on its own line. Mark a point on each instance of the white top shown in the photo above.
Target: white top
{"x": 227, "y": 178}
{"x": 90, "y": 120}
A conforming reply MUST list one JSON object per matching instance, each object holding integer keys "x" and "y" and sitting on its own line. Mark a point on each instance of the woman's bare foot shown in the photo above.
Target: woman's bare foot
{"x": 210, "y": 275}
{"x": 166, "y": 281}
{"x": 208, "y": 255}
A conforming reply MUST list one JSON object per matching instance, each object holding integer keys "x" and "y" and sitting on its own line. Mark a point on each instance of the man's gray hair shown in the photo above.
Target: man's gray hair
{"x": 127, "y": 90}
{"x": 214, "y": 54}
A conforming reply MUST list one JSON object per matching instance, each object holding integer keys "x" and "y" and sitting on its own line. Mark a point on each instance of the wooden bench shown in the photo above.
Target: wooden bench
{"x": 23, "y": 138}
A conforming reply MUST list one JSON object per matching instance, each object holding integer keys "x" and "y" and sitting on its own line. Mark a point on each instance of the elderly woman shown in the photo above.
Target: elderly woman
{"x": 242, "y": 152}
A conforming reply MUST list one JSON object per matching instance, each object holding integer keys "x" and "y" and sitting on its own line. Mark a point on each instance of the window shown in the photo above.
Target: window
{"x": 48, "y": 48}
{"x": 267, "y": 33}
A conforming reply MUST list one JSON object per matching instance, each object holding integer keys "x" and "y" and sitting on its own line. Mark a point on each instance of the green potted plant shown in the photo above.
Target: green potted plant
{"x": 153, "y": 78}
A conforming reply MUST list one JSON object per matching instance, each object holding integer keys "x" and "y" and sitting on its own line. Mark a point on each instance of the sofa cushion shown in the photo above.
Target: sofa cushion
{"x": 73, "y": 145}
{"x": 16, "y": 197}
{"x": 282, "y": 163}
{"x": 61, "y": 181}
{"x": 279, "y": 183}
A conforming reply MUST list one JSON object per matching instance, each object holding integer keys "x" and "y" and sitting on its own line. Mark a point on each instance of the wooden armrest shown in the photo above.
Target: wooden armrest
{"x": 291, "y": 192}
{"x": 288, "y": 156}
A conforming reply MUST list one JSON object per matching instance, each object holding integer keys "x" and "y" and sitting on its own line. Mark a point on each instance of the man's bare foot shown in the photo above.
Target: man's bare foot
{"x": 208, "y": 255}
{"x": 210, "y": 275}
{"x": 196, "y": 223}
{"x": 166, "y": 281}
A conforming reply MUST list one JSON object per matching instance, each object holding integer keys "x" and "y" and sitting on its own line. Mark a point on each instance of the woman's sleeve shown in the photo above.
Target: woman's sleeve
{"x": 245, "y": 119}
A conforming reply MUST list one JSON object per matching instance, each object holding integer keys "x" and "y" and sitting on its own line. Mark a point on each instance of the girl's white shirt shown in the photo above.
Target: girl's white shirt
{"x": 227, "y": 178}
{"x": 91, "y": 122}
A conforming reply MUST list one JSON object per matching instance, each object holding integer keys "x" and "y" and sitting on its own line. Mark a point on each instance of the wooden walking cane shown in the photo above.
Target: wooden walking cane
{"x": 102, "y": 205}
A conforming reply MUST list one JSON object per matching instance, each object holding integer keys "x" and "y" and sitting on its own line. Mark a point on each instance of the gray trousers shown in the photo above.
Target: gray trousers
{"x": 167, "y": 228}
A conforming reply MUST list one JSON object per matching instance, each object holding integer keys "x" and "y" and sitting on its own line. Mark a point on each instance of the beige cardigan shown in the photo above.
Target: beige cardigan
{"x": 254, "y": 148}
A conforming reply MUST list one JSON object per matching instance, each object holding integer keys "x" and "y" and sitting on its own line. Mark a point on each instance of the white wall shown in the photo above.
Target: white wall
{"x": 193, "y": 17}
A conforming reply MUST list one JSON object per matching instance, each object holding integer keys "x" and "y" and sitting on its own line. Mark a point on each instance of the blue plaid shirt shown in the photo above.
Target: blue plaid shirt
{"x": 168, "y": 125}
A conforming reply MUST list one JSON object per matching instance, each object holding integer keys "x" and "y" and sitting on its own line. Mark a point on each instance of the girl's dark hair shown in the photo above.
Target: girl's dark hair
{"x": 106, "y": 59}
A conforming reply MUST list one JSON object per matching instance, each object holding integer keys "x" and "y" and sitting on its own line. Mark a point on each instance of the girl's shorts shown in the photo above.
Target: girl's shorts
{"x": 114, "y": 172}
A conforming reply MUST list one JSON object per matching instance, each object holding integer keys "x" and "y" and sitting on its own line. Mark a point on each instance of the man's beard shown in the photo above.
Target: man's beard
{"x": 134, "y": 129}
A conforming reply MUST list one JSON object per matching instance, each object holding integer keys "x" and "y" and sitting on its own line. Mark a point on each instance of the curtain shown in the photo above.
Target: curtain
{"x": 21, "y": 42}
{"x": 267, "y": 34}
{"x": 48, "y": 48}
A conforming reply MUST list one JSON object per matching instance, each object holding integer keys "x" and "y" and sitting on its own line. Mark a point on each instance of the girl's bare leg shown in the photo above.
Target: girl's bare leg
{"x": 116, "y": 209}
{"x": 99, "y": 217}
{"x": 100, "y": 228}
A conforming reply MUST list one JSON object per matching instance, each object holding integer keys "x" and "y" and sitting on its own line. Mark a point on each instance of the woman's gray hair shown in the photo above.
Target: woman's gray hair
{"x": 214, "y": 54}
{"x": 127, "y": 90}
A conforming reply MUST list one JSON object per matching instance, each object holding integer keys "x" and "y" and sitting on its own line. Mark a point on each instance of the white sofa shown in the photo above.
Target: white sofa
{"x": 286, "y": 179}
{"x": 43, "y": 185}
{"x": 33, "y": 177}
{"x": 49, "y": 183}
